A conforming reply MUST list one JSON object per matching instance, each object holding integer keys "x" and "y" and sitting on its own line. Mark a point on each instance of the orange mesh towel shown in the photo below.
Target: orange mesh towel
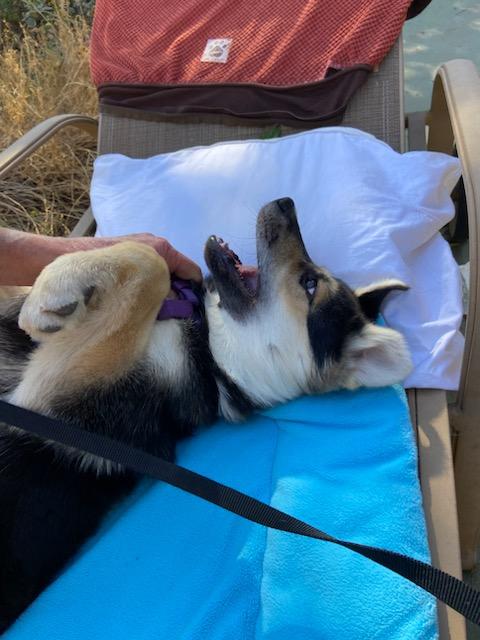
{"x": 195, "y": 44}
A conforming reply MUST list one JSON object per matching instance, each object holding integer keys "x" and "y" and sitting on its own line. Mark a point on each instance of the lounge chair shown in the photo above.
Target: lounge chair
{"x": 446, "y": 432}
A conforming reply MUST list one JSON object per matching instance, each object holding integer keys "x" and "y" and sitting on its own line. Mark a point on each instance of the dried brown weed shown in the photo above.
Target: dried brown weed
{"x": 44, "y": 72}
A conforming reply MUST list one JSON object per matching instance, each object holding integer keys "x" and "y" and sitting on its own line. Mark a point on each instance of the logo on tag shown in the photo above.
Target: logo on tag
{"x": 217, "y": 50}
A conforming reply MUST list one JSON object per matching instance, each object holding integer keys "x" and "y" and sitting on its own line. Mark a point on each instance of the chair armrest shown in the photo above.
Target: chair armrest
{"x": 454, "y": 119}
{"x": 428, "y": 410}
{"x": 85, "y": 226}
{"x": 28, "y": 143}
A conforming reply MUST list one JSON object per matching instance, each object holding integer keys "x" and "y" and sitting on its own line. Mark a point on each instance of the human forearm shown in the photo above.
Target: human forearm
{"x": 24, "y": 255}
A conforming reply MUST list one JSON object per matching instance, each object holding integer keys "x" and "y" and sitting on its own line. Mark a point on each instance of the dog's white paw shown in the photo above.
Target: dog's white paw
{"x": 95, "y": 289}
{"x": 59, "y": 298}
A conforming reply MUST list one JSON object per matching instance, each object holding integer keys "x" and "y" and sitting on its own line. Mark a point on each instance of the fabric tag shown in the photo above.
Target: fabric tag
{"x": 217, "y": 50}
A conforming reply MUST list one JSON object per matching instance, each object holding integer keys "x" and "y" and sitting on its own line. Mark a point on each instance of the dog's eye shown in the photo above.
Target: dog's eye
{"x": 310, "y": 286}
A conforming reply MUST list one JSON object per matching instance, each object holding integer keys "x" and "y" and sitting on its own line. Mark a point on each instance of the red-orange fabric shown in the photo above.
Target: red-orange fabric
{"x": 281, "y": 43}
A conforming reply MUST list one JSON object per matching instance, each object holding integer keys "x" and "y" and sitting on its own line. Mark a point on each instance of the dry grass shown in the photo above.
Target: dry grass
{"x": 45, "y": 72}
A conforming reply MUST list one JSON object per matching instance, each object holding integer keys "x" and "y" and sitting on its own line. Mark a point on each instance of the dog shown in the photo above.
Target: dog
{"x": 85, "y": 346}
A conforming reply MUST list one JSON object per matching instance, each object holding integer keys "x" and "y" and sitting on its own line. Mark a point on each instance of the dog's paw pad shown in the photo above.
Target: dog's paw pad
{"x": 64, "y": 311}
{"x": 40, "y": 317}
{"x": 50, "y": 329}
{"x": 48, "y": 310}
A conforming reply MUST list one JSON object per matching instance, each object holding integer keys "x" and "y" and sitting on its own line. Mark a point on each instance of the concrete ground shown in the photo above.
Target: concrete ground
{"x": 446, "y": 29}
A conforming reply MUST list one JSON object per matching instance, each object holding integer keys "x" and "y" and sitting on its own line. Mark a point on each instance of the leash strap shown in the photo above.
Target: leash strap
{"x": 455, "y": 593}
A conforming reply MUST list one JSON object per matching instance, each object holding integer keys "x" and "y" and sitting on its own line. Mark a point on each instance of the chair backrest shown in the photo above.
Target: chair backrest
{"x": 377, "y": 107}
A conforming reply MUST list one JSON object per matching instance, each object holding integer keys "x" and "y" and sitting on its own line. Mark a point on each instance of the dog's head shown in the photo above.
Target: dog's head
{"x": 291, "y": 327}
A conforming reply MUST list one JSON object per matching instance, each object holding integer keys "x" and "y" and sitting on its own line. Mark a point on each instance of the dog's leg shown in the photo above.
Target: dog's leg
{"x": 47, "y": 513}
{"x": 92, "y": 313}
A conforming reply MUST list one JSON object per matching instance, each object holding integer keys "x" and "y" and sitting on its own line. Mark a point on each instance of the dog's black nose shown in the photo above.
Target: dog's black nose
{"x": 285, "y": 204}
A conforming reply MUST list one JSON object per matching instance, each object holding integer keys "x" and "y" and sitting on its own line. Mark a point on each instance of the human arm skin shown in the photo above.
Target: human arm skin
{"x": 23, "y": 255}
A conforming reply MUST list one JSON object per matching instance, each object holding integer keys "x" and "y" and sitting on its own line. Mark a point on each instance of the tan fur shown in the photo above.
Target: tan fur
{"x": 102, "y": 339}
{"x": 295, "y": 297}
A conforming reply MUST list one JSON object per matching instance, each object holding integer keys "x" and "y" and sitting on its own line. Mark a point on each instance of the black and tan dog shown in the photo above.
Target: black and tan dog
{"x": 85, "y": 346}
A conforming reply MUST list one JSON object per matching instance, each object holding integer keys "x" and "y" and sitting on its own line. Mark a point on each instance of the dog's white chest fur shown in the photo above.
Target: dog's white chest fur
{"x": 167, "y": 353}
{"x": 264, "y": 353}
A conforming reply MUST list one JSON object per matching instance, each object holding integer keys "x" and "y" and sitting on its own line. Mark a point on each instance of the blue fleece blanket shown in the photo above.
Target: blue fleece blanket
{"x": 168, "y": 565}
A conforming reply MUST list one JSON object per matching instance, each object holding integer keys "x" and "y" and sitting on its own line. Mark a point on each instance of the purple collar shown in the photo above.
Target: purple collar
{"x": 184, "y": 307}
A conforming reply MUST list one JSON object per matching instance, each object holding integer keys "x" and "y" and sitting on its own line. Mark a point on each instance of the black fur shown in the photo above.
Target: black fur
{"x": 331, "y": 322}
{"x": 372, "y": 301}
{"x": 236, "y": 397}
{"x": 50, "y": 500}
{"x": 15, "y": 344}
{"x": 47, "y": 510}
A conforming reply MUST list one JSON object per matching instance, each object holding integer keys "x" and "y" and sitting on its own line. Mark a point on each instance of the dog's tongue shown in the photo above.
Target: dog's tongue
{"x": 250, "y": 274}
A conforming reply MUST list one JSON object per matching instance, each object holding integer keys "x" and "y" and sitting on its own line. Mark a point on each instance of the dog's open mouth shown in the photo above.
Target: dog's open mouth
{"x": 242, "y": 288}
{"x": 221, "y": 258}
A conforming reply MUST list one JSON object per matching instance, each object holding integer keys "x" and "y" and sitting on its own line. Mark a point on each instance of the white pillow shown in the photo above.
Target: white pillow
{"x": 366, "y": 213}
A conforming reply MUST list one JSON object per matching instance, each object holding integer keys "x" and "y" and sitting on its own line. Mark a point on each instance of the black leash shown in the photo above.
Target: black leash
{"x": 443, "y": 586}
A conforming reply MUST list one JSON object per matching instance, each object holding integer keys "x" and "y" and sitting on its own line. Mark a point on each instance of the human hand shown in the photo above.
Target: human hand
{"x": 178, "y": 263}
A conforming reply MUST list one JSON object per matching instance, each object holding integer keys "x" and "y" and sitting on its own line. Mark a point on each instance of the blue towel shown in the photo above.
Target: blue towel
{"x": 168, "y": 565}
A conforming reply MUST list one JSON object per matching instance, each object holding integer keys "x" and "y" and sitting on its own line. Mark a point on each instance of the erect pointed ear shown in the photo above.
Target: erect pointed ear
{"x": 371, "y": 297}
{"x": 378, "y": 357}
